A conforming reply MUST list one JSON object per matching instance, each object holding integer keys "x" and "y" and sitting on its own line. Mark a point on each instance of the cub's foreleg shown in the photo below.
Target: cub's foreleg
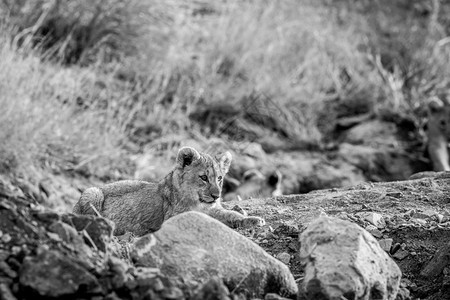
{"x": 234, "y": 219}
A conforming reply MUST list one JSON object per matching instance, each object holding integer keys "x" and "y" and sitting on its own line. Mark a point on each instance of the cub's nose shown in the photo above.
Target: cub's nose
{"x": 215, "y": 196}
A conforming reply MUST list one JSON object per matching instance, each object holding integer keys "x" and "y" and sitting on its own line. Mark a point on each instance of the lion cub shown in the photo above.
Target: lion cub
{"x": 438, "y": 133}
{"x": 256, "y": 185}
{"x": 141, "y": 207}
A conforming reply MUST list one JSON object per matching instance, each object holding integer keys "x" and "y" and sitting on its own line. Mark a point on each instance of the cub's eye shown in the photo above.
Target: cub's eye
{"x": 219, "y": 178}
{"x": 204, "y": 178}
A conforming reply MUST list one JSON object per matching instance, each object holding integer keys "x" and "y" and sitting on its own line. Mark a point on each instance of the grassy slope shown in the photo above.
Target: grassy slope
{"x": 287, "y": 69}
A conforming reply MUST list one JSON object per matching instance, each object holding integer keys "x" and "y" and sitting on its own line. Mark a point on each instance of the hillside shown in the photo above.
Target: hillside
{"x": 97, "y": 94}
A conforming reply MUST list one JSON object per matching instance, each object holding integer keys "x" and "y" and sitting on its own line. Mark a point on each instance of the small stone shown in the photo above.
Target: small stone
{"x": 6, "y": 269}
{"x": 374, "y": 231}
{"x": 112, "y": 296}
{"x": 5, "y": 292}
{"x": 213, "y": 289}
{"x": 284, "y": 257}
{"x": 272, "y": 296}
{"x": 54, "y": 236}
{"x": 118, "y": 281}
{"x": 271, "y": 236}
{"x": 386, "y": 244}
{"x": 440, "y": 218}
{"x": 294, "y": 246}
{"x": 394, "y": 195}
{"x": 284, "y": 229}
{"x": 14, "y": 263}
{"x": 265, "y": 234}
{"x": 6, "y": 238}
{"x": 3, "y": 255}
{"x": 403, "y": 294}
{"x": 420, "y": 221}
{"x": 146, "y": 273}
{"x": 375, "y": 219}
{"x": 116, "y": 265}
{"x": 131, "y": 284}
{"x": 158, "y": 285}
{"x": 409, "y": 213}
{"x": 370, "y": 227}
{"x": 172, "y": 293}
{"x": 395, "y": 248}
{"x": 16, "y": 250}
{"x": 46, "y": 216}
{"x": 425, "y": 214}
{"x": 400, "y": 254}
{"x": 66, "y": 233}
{"x": 145, "y": 280}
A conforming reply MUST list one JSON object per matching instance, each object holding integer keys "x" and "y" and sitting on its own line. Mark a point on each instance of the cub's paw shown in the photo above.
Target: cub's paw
{"x": 253, "y": 222}
{"x": 240, "y": 210}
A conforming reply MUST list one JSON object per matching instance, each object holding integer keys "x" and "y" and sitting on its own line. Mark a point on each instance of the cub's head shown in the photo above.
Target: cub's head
{"x": 257, "y": 185}
{"x": 438, "y": 118}
{"x": 200, "y": 176}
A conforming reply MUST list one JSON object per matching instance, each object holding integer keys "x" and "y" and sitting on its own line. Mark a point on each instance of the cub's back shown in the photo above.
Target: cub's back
{"x": 127, "y": 196}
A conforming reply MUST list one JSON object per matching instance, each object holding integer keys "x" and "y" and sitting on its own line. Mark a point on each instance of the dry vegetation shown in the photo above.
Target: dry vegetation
{"x": 86, "y": 83}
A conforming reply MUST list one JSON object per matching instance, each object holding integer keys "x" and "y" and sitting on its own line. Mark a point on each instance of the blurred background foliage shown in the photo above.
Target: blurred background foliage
{"x": 86, "y": 84}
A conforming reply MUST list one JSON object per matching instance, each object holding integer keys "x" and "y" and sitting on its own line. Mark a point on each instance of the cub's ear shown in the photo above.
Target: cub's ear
{"x": 225, "y": 162}
{"x": 249, "y": 174}
{"x": 187, "y": 156}
{"x": 275, "y": 179}
{"x": 435, "y": 105}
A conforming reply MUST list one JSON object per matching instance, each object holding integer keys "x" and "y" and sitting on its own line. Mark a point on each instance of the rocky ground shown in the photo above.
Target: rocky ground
{"x": 44, "y": 254}
{"x": 410, "y": 220}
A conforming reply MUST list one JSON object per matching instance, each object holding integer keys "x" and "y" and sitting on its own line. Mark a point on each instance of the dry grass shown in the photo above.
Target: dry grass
{"x": 273, "y": 61}
{"x": 42, "y": 124}
{"x": 158, "y": 72}
{"x": 75, "y": 31}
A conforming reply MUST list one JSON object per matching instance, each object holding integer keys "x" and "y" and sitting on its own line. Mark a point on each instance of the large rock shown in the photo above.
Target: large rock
{"x": 343, "y": 261}
{"x": 193, "y": 247}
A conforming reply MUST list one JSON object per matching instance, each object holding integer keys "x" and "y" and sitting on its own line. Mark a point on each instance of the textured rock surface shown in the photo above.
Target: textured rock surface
{"x": 437, "y": 264}
{"x": 51, "y": 274}
{"x": 99, "y": 230}
{"x": 213, "y": 289}
{"x": 193, "y": 246}
{"x": 344, "y": 260}
{"x": 46, "y": 255}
